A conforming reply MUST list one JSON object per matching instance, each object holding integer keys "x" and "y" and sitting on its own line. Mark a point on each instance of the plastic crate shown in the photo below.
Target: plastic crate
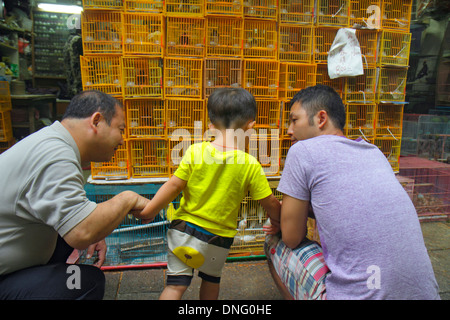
{"x": 268, "y": 114}
{"x": 5, "y": 96}
{"x": 264, "y": 145}
{"x": 101, "y": 32}
{"x": 392, "y": 84}
{"x": 364, "y": 13}
{"x": 360, "y": 121}
{"x": 296, "y": 11}
{"x": 183, "y": 77}
{"x": 6, "y": 132}
{"x": 185, "y": 36}
{"x": 323, "y": 39}
{"x": 394, "y": 48}
{"x": 185, "y": 117}
{"x": 295, "y": 77}
{"x": 224, "y": 36}
{"x": 261, "y": 78}
{"x": 260, "y": 39}
{"x": 332, "y": 13}
{"x": 185, "y": 8}
{"x": 322, "y": 77}
{"x": 261, "y": 9}
{"x": 153, "y": 6}
{"x": 224, "y": 7}
{"x": 368, "y": 42}
{"x": 220, "y": 73}
{"x": 295, "y": 43}
{"x": 146, "y": 118}
{"x": 102, "y": 4}
{"x": 115, "y": 169}
{"x": 102, "y": 73}
{"x": 142, "y": 76}
{"x": 389, "y": 120}
{"x": 391, "y": 149}
{"x": 396, "y": 14}
{"x": 361, "y": 89}
{"x": 149, "y": 158}
{"x": 143, "y": 34}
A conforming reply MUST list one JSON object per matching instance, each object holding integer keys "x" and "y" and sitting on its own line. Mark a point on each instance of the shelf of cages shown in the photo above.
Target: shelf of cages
{"x": 185, "y": 117}
{"x": 322, "y": 77}
{"x": 323, "y": 39}
{"x": 260, "y": 39}
{"x": 392, "y": 84}
{"x": 260, "y": 78}
{"x": 118, "y": 168}
{"x": 224, "y": 7}
{"x": 5, "y": 96}
{"x": 143, "y": 34}
{"x": 224, "y": 36}
{"x": 396, "y": 14}
{"x": 364, "y": 13}
{"x": 6, "y": 132}
{"x": 184, "y": 8}
{"x": 285, "y": 145}
{"x": 261, "y": 9}
{"x": 101, "y": 32}
{"x": 142, "y": 76}
{"x": 362, "y": 88}
{"x": 296, "y": 12}
{"x": 391, "y": 149}
{"x": 295, "y": 77}
{"x": 185, "y": 36}
{"x": 389, "y": 122}
{"x": 368, "y": 43}
{"x": 102, "y": 73}
{"x": 103, "y": 4}
{"x": 332, "y": 13}
{"x": 295, "y": 43}
{"x": 220, "y": 73}
{"x": 183, "y": 77}
{"x": 149, "y": 158}
{"x": 394, "y": 48}
{"x": 153, "y": 6}
{"x": 360, "y": 121}
{"x": 146, "y": 118}
{"x": 268, "y": 113}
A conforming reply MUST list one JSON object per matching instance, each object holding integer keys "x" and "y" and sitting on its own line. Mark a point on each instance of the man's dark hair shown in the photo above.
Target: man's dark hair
{"x": 321, "y": 97}
{"x": 231, "y": 108}
{"x": 86, "y": 103}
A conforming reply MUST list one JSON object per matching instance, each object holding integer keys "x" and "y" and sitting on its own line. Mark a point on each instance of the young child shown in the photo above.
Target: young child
{"x": 214, "y": 178}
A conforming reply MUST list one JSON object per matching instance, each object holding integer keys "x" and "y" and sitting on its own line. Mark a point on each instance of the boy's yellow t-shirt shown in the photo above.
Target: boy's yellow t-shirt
{"x": 216, "y": 184}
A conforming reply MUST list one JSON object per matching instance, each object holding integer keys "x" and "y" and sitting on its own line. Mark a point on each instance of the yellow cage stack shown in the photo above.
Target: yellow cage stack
{"x": 117, "y": 168}
{"x": 152, "y": 6}
{"x": 360, "y": 121}
{"x": 295, "y": 77}
{"x": 186, "y": 36}
{"x": 220, "y": 73}
{"x": 224, "y": 36}
{"x": 296, "y": 11}
{"x": 142, "y": 77}
{"x": 295, "y": 43}
{"x": 261, "y": 9}
{"x": 185, "y": 8}
{"x": 224, "y": 7}
{"x": 260, "y": 39}
{"x": 332, "y": 13}
{"x": 102, "y": 73}
{"x": 261, "y": 78}
{"x": 149, "y": 157}
{"x": 146, "y": 118}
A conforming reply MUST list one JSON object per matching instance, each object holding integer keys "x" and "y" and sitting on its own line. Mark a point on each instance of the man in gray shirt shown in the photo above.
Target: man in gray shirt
{"x": 44, "y": 210}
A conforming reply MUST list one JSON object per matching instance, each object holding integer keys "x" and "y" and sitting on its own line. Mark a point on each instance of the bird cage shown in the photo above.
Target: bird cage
{"x": 102, "y": 73}
{"x": 183, "y": 77}
{"x": 6, "y": 145}
{"x": 221, "y": 72}
{"x": 268, "y": 113}
{"x": 224, "y": 36}
{"x": 365, "y": 13}
{"x": 5, "y": 96}
{"x": 101, "y": 32}
{"x": 102, "y": 4}
{"x": 153, "y": 6}
{"x": 185, "y": 117}
{"x": 391, "y": 149}
{"x": 360, "y": 121}
{"x": 285, "y": 145}
{"x": 146, "y": 118}
{"x": 389, "y": 120}
{"x": 392, "y": 84}
{"x": 260, "y": 39}
{"x": 6, "y": 133}
{"x": 285, "y": 120}
{"x": 322, "y": 77}
{"x": 295, "y": 77}
{"x": 332, "y": 13}
{"x": 185, "y": 36}
{"x": 295, "y": 43}
{"x": 185, "y": 8}
{"x": 296, "y": 11}
{"x": 394, "y": 48}
{"x": 142, "y": 76}
{"x": 396, "y": 15}
{"x": 224, "y": 7}
{"x": 264, "y": 145}
{"x": 361, "y": 89}
{"x": 368, "y": 42}
{"x": 143, "y": 34}
{"x": 149, "y": 158}
{"x": 261, "y": 78}
{"x": 261, "y": 9}
{"x": 116, "y": 169}
{"x": 323, "y": 39}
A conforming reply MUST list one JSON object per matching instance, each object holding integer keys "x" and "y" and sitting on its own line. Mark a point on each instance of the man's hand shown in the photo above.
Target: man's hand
{"x": 99, "y": 247}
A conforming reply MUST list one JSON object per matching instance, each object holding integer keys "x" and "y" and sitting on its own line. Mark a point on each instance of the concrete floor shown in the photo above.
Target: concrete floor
{"x": 250, "y": 280}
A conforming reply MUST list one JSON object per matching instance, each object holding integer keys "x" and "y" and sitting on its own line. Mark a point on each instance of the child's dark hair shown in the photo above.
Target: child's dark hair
{"x": 86, "y": 103}
{"x": 231, "y": 108}
{"x": 321, "y": 97}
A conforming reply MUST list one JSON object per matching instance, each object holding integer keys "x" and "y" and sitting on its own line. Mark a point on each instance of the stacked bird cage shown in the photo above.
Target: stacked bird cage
{"x": 6, "y": 132}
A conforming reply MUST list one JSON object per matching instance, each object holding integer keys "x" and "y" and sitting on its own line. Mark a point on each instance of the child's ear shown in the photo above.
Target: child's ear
{"x": 250, "y": 124}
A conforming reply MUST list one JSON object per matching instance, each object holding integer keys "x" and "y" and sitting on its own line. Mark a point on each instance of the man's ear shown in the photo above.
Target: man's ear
{"x": 322, "y": 116}
{"x": 95, "y": 120}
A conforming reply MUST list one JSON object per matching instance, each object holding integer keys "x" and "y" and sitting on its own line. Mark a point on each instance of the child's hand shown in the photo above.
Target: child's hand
{"x": 271, "y": 227}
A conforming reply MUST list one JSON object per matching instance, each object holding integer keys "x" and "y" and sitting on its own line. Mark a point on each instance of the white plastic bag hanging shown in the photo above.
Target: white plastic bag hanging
{"x": 344, "y": 57}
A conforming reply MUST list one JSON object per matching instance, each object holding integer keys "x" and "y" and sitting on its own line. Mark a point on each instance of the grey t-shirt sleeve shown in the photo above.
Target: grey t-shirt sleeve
{"x": 56, "y": 196}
